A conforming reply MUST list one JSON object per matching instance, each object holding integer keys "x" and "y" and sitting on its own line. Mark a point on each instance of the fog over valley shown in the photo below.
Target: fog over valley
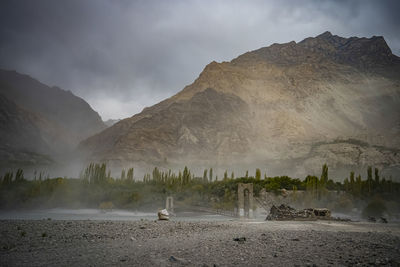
{"x": 205, "y": 133}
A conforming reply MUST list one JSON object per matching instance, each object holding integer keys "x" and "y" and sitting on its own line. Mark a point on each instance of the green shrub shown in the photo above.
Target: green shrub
{"x": 107, "y": 205}
{"x": 375, "y": 208}
{"x": 344, "y": 204}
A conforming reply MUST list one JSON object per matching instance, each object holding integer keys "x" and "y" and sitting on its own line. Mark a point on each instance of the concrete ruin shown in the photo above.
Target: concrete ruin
{"x": 285, "y": 212}
{"x": 245, "y": 200}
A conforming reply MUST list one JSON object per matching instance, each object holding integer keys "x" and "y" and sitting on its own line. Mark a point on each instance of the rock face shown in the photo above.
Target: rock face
{"x": 57, "y": 105}
{"x": 21, "y": 138}
{"x": 38, "y": 122}
{"x": 111, "y": 122}
{"x": 290, "y": 107}
{"x": 287, "y": 213}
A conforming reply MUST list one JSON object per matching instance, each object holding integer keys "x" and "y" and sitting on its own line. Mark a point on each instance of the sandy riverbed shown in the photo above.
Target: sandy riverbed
{"x": 177, "y": 243}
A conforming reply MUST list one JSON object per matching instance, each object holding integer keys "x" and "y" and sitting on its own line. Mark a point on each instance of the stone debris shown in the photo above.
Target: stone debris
{"x": 178, "y": 260}
{"x": 239, "y": 239}
{"x": 163, "y": 214}
{"x": 285, "y": 212}
{"x": 383, "y": 220}
{"x": 201, "y": 243}
{"x": 173, "y": 259}
{"x": 373, "y": 219}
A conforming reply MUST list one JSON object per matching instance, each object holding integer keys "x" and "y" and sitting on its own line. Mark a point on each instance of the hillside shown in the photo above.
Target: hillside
{"x": 290, "y": 106}
{"x": 21, "y": 138}
{"x": 40, "y": 123}
{"x": 57, "y": 105}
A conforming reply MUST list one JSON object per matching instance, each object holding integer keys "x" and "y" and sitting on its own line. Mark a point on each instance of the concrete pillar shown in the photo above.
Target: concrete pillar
{"x": 169, "y": 204}
{"x": 241, "y": 200}
{"x": 241, "y": 188}
{"x": 250, "y": 186}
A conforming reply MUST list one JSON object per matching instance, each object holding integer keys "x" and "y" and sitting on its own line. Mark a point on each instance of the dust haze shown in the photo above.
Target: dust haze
{"x": 199, "y": 133}
{"x": 122, "y": 57}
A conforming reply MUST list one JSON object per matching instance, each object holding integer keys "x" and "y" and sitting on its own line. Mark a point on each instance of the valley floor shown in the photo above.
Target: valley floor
{"x": 182, "y": 243}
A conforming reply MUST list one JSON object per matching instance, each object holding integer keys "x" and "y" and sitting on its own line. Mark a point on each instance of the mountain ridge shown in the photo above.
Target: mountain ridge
{"x": 41, "y": 124}
{"x": 294, "y": 95}
{"x": 52, "y": 102}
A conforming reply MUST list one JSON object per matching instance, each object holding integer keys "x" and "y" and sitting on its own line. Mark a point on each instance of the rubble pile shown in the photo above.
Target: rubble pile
{"x": 285, "y": 212}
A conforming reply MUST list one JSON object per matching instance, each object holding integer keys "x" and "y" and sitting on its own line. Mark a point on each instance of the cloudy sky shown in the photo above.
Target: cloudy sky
{"x": 122, "y": 56}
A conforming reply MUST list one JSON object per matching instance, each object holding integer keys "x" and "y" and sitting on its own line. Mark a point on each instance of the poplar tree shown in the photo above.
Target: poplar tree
{"x": 377, "y": 177}
{"x": 225, "y": 175}
{"x": 258, "y": 174}
{"x": 123, "y": 174}
{"x": 369, "y": 179}
{"x": 352, "y": 182}
{"x": 129, "y": 175}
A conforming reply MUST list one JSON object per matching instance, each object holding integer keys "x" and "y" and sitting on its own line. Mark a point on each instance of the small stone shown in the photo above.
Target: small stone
{"x": 239, "y": 239}
{"x": 176, "y": 259}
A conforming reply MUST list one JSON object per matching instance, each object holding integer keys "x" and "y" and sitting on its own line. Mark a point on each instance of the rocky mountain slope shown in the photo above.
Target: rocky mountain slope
{"x": 39, "y": 123}
{"x": 287, "y": 108}
{"x": 21, "y": 139}
{"x": 111, "y": 122}
{"x": 53, "y": 103}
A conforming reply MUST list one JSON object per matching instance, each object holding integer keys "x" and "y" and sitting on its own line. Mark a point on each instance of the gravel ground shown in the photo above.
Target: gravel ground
{"x": 172, "y": 243}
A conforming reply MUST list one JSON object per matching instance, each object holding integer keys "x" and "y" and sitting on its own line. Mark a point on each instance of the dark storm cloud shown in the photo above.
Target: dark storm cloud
{"x": 123, "y": 55}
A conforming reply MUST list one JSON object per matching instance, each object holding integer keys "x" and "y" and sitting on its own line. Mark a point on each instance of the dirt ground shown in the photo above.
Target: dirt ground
{"x": 177, "y": 243}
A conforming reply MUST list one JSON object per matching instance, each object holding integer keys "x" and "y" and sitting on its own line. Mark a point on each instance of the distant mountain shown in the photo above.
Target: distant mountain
{"x": 111, "y": 122}
{"x": 57, "y": 105}
{"x": 287, "y": 108}
{"x": 21, "y": 138}
{"x": 38, "y": 121}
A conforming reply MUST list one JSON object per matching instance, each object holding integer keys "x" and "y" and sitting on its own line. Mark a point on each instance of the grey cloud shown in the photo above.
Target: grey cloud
{"x": 123, "y": 55}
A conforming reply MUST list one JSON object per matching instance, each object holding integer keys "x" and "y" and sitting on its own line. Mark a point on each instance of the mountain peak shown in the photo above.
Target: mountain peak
{"x": 53, "y": 103}
{"x": 373, "y": 44}
{"x": 326, "y": 34}
{"x": 270, "y": 105}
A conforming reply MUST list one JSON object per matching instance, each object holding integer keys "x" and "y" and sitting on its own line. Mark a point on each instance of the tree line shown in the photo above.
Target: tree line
{"x": 96, "y": 185}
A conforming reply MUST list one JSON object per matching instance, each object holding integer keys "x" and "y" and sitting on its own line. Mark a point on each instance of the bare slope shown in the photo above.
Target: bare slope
{"x": 292, "y": 106}
{"x": 59, "y": 106}
{"x": 40, "y": 124}
{"x": 22, "y": 140}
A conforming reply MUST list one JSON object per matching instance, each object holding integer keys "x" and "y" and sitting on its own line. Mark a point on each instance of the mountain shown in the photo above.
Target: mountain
{"x": 287, "y": 108}
{"x": 40, "y": 123}
{"x": 57, "y": 105}
{"x": 21, "y": 138}
{"x": 111, "y": 122}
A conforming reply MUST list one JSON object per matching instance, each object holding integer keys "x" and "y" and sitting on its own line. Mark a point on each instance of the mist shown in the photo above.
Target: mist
{"x": 122, "y": 57}
{"x": 232, "y": 133}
